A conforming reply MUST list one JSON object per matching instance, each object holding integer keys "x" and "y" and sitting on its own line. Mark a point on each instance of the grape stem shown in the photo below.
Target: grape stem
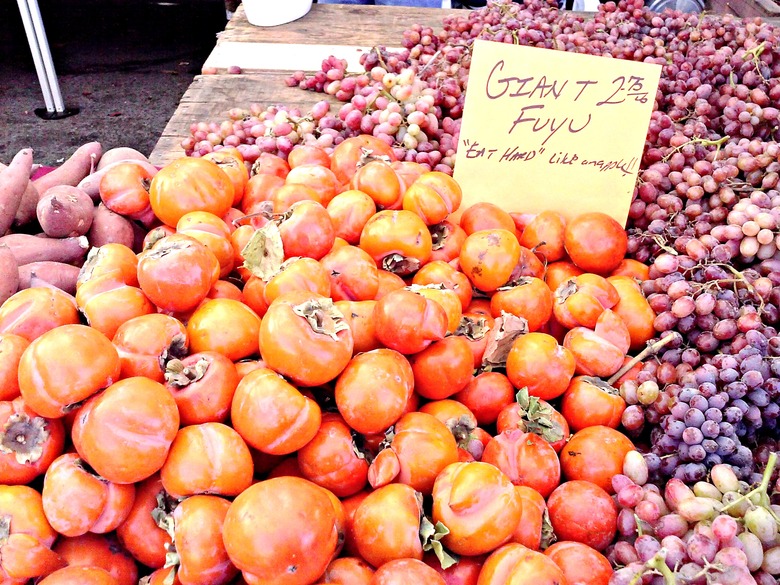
{"x": 741, "y": 278}
{"x": 659, "y": 566}
{"x": 379, "y": 57}
{"x": 648, "y": 351}
{"x": 703, "y": 141}
{"x": 429, "y": 63}
{"x": 761, "y": 489}
{"x": 755, "y": 54}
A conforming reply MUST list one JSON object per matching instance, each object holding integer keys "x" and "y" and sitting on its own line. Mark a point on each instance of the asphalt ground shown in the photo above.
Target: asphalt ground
{"x": 124, "y": 63}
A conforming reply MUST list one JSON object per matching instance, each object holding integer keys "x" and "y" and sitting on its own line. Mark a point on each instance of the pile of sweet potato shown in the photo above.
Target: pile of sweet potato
{"x": 48, "y": 224}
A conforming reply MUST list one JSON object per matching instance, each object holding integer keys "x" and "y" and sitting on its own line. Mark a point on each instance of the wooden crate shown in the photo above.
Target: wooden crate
{"x": 745, "y": 8}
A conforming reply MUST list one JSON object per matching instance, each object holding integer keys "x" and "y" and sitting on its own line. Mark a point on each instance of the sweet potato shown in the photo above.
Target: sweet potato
{"x": 26, "y": 212}
{"x": 13, "y": 182}
{"x": 120, "y": 153}
{"x": 109, "y": 227}
{"x": 27, "y": 248}
{"x": 9, "y": 273}
{"x": 65, "y": 211}
{"x": 79, "y": 165}
{"x": 56, "y": 274}
{"x": 91, "y": 183}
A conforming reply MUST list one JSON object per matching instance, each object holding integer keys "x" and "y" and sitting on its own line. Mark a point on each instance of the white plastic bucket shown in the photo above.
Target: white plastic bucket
{"x": 275, "y": 12}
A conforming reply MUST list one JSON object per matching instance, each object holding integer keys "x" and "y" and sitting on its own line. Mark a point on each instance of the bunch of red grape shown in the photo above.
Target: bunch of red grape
{"x": 719, "y": 79}
{"x": 718, "y": 531}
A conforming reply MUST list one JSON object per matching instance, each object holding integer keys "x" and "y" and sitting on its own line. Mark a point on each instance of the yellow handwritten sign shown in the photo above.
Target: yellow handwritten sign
{"x": 547, "y": 129}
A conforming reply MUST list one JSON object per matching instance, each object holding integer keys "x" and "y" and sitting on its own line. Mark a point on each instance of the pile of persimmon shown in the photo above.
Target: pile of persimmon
{"x": 321, "y": 370}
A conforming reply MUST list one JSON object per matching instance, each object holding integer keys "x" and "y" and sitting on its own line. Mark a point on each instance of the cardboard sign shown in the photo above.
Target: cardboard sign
{"x": 547, "y": 129}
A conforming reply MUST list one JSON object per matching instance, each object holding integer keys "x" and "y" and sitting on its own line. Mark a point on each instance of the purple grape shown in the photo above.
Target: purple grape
{"x": 709, "y": 446}
{"x": 694, "y": 418}
{"x": 710, "y": 429}
{"x": 676, "y": 550}
{"x": 646, "y": 547}
{"x": 701, "y": 549}
{"x": 732, "y": 415}
{"x": 699, "y": 402}
{"x": 692, "y": 436}
{"x": 671, "y": 525}
{"x": 696, "y": 453}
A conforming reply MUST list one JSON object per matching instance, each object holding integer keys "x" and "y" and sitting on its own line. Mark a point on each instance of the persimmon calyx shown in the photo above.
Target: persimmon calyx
{"x": 367, "y": 155}
{"x": 400, "y": 265}
{"x": 565, "y": 290}
{"x": 548, "y": 534}
{"x": 24, "y": 437}
{"x": 472, "y": 328}
{"x": 264, "y": 252}
{"x": 265, "y": 210}
{"x": 416, "y": 288}
{"x": 177, "y": 349}
{"x": 323, "y": 317}
{"x": 439, "y": 234}
{"x": 86, "y": 468}
{"x": 94, "y": 257}
{"x": 358, "y": 447}
{"x": 387, "y": 442}
{"x": 602, "y": 385}
{"x": 162, "y": 514}
{"x": 462, "y": 429}
{"x": 501, "y": 336}
{"x": 179, "y": 375}
{"x": 519, "y": 281}
{"x": 536, "y": 417}
{"x": 431, "y": 536}
{"x": 5, "y": 528}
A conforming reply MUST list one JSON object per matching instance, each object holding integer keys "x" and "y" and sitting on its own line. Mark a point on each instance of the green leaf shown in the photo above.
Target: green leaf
{"x": 536, "y": 417}
{"x": 522, "y": 398}
{"x": 431, "y": 538}
{"x": 264, "y": 252}
{"x": 171, "y": 558}
{"x": 427, "y": 530}
{"x": 170, "y": 578}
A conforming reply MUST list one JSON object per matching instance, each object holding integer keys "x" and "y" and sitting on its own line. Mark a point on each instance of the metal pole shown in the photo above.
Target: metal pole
{"x": 43, "y": 44}
{"x": 40, "y": 68}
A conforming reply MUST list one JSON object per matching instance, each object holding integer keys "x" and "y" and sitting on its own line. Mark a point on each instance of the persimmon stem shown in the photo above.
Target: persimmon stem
{"x": 649, "y": 350}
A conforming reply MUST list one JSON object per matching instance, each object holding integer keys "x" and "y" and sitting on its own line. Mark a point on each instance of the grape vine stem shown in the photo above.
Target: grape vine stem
{"x": 651, "y": 349}
{"x": 761, "y": 489}
{"x": 697, "y": 140}
{"x": 658, "y": 565}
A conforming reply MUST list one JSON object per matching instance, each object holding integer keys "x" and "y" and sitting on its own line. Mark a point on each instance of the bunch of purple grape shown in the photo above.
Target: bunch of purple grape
{"x": 702, "y": 409}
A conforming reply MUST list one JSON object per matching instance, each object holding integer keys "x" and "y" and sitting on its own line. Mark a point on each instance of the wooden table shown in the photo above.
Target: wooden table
{"x": 267, "y": 56}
